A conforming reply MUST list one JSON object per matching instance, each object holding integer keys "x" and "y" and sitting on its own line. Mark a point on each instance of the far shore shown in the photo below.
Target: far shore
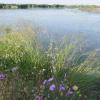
{"x": 86, "y": 8}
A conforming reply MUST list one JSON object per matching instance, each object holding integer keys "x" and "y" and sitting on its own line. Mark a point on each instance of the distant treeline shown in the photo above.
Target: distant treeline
{"x": 28, "y": 6}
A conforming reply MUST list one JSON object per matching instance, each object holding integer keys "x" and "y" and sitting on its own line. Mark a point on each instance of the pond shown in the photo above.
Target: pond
{"x": 57, "y": 22}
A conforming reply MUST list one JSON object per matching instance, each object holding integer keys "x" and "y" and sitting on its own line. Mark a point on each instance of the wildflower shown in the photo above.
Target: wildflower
{"x": 14, "y": 69}
{"x": 38, "y": 97}
{"x": 69, "y": 93}
{"x": 44, "y": 69}
{"x": 45, "y": 82}
{"x": 2, "y": 76}
{"x": 75, "y": 88}
{"x": 61, "y": 88}
{"x": 50, "y": 79}
{"x": 52, "y": 87}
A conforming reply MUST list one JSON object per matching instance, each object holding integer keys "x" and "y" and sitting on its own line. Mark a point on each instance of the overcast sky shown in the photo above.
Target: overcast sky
{"x": 95, "y": 2}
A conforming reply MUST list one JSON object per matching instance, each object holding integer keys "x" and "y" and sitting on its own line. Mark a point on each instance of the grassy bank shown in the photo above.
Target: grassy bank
{"x": 86, "y": 8}
{"x": 92, "y": 9}
{"x": 28, "y": 71}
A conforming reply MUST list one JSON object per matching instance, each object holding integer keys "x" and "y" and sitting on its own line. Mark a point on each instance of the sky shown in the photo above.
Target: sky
{"x": 67, "y": 2}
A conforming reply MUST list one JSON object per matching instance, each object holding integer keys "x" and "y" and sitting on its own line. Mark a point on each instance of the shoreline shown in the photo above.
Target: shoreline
{"x": 85, "y": 8}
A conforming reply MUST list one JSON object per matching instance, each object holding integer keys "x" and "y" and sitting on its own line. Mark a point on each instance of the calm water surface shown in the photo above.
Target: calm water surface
{"x": 57, "y": 22}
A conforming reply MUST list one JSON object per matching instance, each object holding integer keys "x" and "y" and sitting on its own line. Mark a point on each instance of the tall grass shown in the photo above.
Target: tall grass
{"x": 21, "y": 51}
{"x": 87, "y": 76}
{"x": 26, "y": 64}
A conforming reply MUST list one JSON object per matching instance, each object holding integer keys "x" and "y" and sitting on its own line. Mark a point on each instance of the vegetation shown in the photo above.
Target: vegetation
{"x": 86, "y": 8}
{"x": 91, "y": 9}
{"x": 28, "y": 6}
{"x": 62, "y": 71}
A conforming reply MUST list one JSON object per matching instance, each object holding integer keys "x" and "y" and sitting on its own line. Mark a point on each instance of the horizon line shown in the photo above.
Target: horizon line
{"x": 51, "y": 4}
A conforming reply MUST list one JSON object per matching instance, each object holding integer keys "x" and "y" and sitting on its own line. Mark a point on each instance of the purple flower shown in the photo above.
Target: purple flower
{"x": 2, "y": 76}
{"x": 50, "y": 79}
{"x": 52, "y": 87}
{"x": 38, "y": 97}
{"x": 61, "y": 88}
{"x": 69, "y": 93}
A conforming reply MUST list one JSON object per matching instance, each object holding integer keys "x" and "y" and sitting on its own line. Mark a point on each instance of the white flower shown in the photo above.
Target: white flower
{"x": 75, "y": 88}
{"x": 14, "y": 69}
